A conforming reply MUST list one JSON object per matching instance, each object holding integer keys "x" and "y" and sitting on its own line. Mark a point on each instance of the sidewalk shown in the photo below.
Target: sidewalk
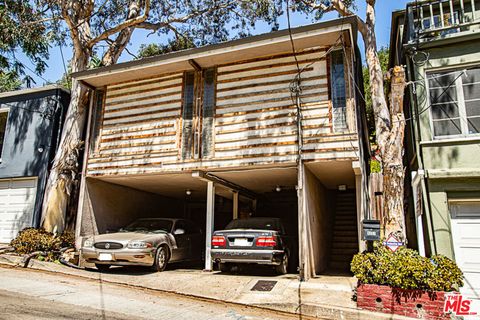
{"x": 327, "y": 297}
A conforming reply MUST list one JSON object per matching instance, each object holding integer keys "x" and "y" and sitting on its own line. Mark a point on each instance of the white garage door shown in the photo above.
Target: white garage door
{"x": 466, "y": 244}
{"x": 17, "y": 201}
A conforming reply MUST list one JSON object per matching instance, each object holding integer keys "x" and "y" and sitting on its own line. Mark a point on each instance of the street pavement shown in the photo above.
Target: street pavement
{"x": 29, "y": 294}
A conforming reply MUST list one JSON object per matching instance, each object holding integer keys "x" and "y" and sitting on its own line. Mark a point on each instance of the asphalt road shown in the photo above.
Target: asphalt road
{"x": 28, "y": 294}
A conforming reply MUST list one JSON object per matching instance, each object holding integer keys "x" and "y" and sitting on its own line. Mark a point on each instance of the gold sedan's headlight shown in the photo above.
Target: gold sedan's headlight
{"x": 88, "y": 243}
{"x": 139, "y": 245}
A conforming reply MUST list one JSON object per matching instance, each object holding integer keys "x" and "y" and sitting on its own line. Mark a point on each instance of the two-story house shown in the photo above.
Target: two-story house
{"x": 30, "y": 126}
{"x": 439, "y": 42}
{"x": 268, "y": 125}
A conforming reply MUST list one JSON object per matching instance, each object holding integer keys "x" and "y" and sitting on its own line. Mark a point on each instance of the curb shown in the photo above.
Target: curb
{"x": 305, "y": 310}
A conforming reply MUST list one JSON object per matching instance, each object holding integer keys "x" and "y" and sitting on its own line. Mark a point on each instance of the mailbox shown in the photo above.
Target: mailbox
{"x": 371, "y": 230}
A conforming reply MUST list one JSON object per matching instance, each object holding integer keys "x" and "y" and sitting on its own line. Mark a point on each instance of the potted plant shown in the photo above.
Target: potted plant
{"x": 404, "y": 283}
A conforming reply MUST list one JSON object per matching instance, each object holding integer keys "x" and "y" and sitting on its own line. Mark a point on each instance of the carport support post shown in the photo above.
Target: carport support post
{"x": 209, "y": 227}
{"x": 235, "y": 205}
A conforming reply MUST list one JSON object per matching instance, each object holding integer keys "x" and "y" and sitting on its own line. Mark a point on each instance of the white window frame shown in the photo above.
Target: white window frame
{"x": 462, "y": 112}
{"x": 7, "y": 111}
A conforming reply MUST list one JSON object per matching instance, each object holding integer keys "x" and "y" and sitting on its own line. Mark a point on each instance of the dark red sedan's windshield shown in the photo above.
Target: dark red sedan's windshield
{"x": 255, "y": 223}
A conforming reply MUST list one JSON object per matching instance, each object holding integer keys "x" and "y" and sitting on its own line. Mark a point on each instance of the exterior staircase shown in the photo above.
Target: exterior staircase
{"x": 345, "y": 232}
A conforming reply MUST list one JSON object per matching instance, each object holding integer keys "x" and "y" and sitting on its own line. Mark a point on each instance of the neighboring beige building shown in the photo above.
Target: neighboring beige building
{"x": 214, "y": 132}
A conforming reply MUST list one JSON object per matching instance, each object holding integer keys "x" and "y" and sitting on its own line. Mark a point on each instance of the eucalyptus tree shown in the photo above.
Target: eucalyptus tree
{"x": 104, "y": 28}
{"x": 389, "y": 117}
{"x": 18, "y": 32}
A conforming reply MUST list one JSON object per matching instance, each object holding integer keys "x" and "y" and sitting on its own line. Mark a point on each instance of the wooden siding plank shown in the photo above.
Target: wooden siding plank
{"x": 319, "y": 96}
{"x": 224, "y": 90}
{"x": 138, "y": 128}
{"x": 146, "y": 88}
{"x": 264, "y": 75}
{"x": 164, "y": 139}
{"x": 272, "y": 65}
{"x": 277, "y": 56}
{"x": 146, "y": 80}
{"x": 163, "y": 96}
{"x": 270, "y": 93}
{"x": 171, "y": 114}
{"x": 165, "y": 121}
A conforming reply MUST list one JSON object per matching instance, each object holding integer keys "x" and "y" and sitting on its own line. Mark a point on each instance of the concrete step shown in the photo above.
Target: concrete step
{"x": 346, "y": 253}
{"x": 345, "y": 223}
{"x": 339, "y": 266}
{"x": 345, "y": 228}
{"x": 345, "y": 240}
{"x": 345, "y": 244}
{"x": 345, "y": 233}
{"x": 345, "y": 218}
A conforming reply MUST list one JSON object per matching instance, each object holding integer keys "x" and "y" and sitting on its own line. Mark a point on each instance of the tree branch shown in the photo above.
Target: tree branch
{"x": 126, "y": 24}
{"x": 166, "y": 24}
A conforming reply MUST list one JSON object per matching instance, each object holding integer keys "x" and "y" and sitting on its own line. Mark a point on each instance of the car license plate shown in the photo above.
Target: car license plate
{"x": 241, "y": 242}
{"x": 105, "y": 257}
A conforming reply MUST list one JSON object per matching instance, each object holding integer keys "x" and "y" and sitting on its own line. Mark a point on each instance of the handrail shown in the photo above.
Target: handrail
{"x": 439, "y": 15}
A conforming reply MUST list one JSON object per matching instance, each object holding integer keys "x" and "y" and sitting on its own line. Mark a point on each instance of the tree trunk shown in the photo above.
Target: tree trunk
{"x": 65, "y": 167}
{"x": 65, "y": 170}
{"x": 389, "y": 126}
{"x": 393, "y": 170}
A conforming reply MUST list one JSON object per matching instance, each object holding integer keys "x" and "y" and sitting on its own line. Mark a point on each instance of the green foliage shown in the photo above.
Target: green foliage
{"x": 375, "y": 166}
{"x": 9, "y": 81}
{"x": 21, "y": 31}
{"x": 153, "y": 49}
{"x": 406, "y": 269}
{"x": 30, "y": 240}
{"x": 383, "y": 55}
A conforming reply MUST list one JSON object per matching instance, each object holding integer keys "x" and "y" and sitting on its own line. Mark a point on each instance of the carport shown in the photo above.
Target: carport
{"x": 325, "y": 231}
{"x": 211, "y": 199}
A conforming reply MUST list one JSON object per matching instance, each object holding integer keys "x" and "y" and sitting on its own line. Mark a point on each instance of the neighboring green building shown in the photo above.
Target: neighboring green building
{"x": 439, "y": 42}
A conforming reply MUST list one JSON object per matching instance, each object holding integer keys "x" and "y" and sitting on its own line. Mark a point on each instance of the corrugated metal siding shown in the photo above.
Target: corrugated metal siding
{"x": 254, "y": 119}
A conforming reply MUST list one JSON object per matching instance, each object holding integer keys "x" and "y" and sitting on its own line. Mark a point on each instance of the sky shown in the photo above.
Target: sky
{"x": 384, "y": 9}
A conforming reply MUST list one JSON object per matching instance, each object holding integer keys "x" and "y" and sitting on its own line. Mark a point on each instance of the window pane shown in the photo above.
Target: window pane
{"x": 3, "y": 127}
{"x": 442, "y": 80}
{"x": 338, "y": 90}
{"x": 473, "y": 108}
{"x": 446, "y": 127}
{"x": 471, "y": 84}
{"x": 445, "y": 111}
{"x": 472, "y": 76}
{"x": 187, "y": 130}
{"x": 471, "y": 91}
{"x": 442, "y": 95}
{"x": 208, "y": 111}
{"x": 474, "y": 125}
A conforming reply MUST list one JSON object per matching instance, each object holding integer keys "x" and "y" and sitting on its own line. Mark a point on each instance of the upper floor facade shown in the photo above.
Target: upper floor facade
{"x": 229, "y": 105}
{"x": 438, "y": 41}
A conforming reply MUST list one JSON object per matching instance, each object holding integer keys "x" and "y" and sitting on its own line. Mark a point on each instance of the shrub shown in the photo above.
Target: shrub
{"x": 375, "y": 166}
{"x": 406, "y": 269}
{"x": 30, "y": 240}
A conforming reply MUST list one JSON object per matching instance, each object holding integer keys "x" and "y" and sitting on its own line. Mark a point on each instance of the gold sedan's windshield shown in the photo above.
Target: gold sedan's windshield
{"x": 149, "y": 225}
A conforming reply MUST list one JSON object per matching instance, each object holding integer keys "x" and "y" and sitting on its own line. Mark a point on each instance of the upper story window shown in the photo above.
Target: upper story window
{"x": 455, "y": 102}
{"x": 338, "y": 90}
{"x": 3, "y": 128}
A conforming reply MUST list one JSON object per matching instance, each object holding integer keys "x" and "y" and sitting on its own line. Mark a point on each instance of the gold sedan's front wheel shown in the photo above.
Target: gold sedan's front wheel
{"x": 161, "y": 259}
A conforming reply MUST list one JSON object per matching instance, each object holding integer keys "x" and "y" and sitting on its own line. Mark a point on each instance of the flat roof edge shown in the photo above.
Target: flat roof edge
{"x": 21, "y": 92}
{"x": 82, "y": 75}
